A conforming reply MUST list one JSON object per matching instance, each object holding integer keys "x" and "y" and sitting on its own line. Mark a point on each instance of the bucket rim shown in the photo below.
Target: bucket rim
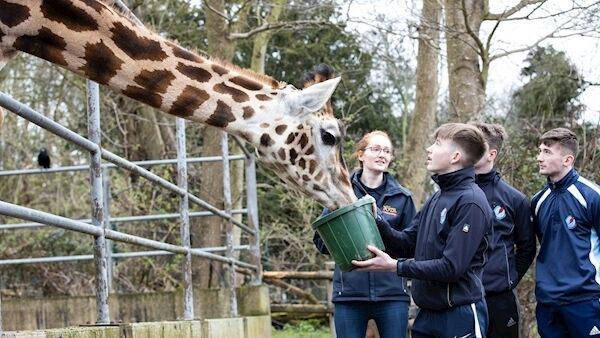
{"x": 367, "y": 199}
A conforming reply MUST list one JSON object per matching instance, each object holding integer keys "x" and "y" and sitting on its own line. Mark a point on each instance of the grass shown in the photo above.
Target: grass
{"x": 303, "y": 329}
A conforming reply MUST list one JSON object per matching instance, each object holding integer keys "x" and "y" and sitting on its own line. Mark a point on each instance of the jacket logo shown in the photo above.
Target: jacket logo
{"x": 500, "y": 212}
{"x": 443, "y": 216}
{"x": 389, "y": 210}
{"x": 466, "y": 228}
{"x": 570, "y": 221}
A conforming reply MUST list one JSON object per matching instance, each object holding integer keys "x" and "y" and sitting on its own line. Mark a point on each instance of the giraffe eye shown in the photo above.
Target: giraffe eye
{"x": 327, "y": 138}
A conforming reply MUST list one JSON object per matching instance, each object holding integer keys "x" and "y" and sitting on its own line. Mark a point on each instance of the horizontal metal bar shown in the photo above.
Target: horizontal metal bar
{"x": 123, "y": 163}
{"x": 52, "y": 126}
{"x": 24, "y": 111}
{"x": 111, "y": 166}
{"x": 124, "y": 219}
{"x": 122, "y": 255}
{"x": 17, "y": 211}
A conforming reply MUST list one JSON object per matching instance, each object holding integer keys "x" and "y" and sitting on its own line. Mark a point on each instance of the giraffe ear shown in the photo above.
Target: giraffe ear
{"x": 313, "y": 98}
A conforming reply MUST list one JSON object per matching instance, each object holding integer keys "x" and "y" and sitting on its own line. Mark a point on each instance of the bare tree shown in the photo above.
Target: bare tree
{"x": 470, "y": 50}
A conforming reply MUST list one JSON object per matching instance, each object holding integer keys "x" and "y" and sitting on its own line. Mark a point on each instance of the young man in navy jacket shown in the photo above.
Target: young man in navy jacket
{"x": 447, "y": 239}
{"x": 512, "y": 244}
{"x": 566, "y": 215}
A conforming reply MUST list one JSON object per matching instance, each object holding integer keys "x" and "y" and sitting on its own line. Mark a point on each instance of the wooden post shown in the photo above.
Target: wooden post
{"x": 330, "y": 266}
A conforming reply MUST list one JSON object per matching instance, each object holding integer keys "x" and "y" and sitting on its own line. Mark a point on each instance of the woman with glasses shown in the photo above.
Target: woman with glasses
{"x": 381, "y": 296}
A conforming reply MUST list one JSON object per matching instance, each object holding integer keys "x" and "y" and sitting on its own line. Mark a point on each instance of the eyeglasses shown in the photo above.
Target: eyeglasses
{"x": 376, "y": 150}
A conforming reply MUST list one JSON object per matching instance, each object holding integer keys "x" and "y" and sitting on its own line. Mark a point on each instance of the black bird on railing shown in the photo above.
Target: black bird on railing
{"x": 44, "y": 158}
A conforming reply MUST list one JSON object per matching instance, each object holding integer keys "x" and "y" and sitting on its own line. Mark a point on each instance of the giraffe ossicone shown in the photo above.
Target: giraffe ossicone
{"x": 294, "y": 131}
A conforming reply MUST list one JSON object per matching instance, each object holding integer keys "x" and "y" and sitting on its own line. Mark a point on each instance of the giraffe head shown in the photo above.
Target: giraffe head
{"x": 303, "y": 146}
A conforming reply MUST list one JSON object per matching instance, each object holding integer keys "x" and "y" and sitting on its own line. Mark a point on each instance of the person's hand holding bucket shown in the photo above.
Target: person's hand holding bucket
{"x": 348, "y": 231}
{"x": 381, "y": 262}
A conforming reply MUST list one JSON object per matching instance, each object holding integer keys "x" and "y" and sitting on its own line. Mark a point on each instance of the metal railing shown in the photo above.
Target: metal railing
{"x": 99, "y": 223}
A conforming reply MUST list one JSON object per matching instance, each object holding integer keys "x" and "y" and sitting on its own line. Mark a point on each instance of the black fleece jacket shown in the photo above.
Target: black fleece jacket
{"x": 443, "y": 250}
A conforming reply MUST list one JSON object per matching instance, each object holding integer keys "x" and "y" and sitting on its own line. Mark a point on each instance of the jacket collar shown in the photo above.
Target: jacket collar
{"x": 455, "y": 178}
{"x": 570, "y": 178}
{"x": 491, "y": 177}
{"x": 391, "y": 185}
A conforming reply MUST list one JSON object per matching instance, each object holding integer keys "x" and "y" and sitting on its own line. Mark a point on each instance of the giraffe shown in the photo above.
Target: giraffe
{"x": 294, "y": 131}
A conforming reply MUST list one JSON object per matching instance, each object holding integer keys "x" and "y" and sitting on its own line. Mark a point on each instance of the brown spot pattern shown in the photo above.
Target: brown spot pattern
{"x": 291, "y": 137}
{"x": 302, "y": 163}
{"x": 143, "y": 95}
{"x": 63, "y": 11}
{"x": 293, "y": 156}
{"x": 303, "y": 141}
{"x": 263, "y": 97}
{"x": 246, "y": 83}
{"x": 248, "y": 112}
{"x": 13, "y": 14}
{"x": 317, "y": 187}
{"x": 46, "y": 45}
{"x": 281, "y": 153}
{"x": 222, "y": 115}
{"x": 305, "y": 178}
{"x": 264, "y": 125}
{"x": 236, "y": 94}
{"x": 319, "y": 175}
{"x": 188, "y": 101}
{"x": 94, "y": 4}
{"x": 138, "y": 48}
{"x": 155, "y": 81}
{"x": 101, "y": 63}
{"x": 194, "y": 73}
{"x": 280, "y": 129}
{"x": 219, "y": 69}
{"x": 312, "y": 164}
{"x": 310, "y": 150}
{"x": 184, "y": 53}
{"x": 266, "y": 140}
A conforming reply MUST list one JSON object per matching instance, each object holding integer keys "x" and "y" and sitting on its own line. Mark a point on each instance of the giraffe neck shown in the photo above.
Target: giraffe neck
{"x": 93, "y": 40}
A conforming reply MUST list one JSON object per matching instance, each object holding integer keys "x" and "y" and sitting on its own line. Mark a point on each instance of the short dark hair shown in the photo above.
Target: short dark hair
{"x": 565, "y": 137}
{"x": 469, "y": 138}
{"x": 494, "y": 134}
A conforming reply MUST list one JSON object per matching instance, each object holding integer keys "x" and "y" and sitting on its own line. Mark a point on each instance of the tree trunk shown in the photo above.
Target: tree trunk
{"x": 423, "y": 118}
{"x": 261, "y": 41}
{"x": 466, "y": 87}
{"x": 208, "y": 231}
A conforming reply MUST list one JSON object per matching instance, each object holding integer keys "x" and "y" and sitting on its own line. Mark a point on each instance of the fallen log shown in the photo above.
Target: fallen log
{"x": 298, "y": 275}
{"x": 301, "y": 308}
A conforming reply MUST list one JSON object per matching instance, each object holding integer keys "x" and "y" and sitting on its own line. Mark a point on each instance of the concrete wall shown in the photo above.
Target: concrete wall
{"x": 60, "y": 312}
{"x": 246, "y": 327}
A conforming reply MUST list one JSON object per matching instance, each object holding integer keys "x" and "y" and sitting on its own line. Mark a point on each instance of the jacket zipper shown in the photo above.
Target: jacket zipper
{"x": 507, "y": 266}
{"x": 342, "y": 279}
{"x": 448, "y": 294}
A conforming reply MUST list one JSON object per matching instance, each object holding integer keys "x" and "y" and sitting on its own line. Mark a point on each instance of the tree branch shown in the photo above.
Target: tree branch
{"x": 507, "y": 13}
{"x": 270, "y": 26}
{"x": 529, "y": 47}
{"x": 217, "y": 12}
{"x": 472, "y": 34}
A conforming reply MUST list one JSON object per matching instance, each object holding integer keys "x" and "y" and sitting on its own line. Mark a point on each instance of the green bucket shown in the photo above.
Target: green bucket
{"x": 347, "y": 231}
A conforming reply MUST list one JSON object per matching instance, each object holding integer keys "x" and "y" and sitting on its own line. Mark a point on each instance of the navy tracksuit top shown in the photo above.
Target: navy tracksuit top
{"x": 512, "y": 240}
{"x": 448, "y": 240}
{"x": 566, "y": 215}
{"x": 398, "y": 210}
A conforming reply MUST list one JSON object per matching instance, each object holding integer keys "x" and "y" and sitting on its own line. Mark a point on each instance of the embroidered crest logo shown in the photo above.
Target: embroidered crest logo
{"x": 570, "y": 221}
{"x": 389, "y": 210}
{"x": 500, "y": 212}
{"x": 443, "y": 216}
